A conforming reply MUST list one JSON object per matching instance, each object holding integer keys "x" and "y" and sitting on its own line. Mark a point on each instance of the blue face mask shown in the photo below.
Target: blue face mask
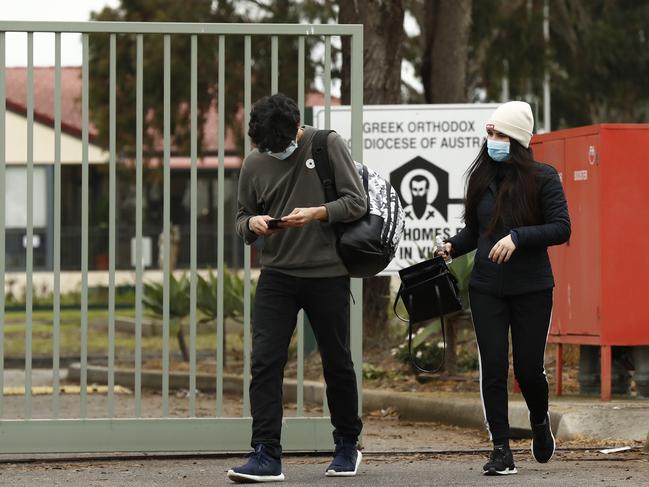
{"x": 498, "y": 150}
{"x": 286, "y": 152}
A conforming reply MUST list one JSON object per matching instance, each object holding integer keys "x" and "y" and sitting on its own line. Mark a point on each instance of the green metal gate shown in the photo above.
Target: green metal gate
{"x": 218, "y": 432}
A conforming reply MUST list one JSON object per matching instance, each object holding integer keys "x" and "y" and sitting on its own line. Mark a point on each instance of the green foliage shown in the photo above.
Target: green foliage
{"x": 371, "y": 372}
{"x": 233, "y": 295}
{"x": 202, "y": 11}
{"x": 97, "y": 296}
{"x": 598, "y": 56}
{"x": 429, "y": 353}
{"x": 178, "y": 297}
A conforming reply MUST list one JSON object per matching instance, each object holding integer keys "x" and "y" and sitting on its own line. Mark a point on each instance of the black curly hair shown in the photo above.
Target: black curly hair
{"x": 274, "y": 122}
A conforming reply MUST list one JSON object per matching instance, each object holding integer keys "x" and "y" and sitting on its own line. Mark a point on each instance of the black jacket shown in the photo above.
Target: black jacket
{"x": 529, "y": 267}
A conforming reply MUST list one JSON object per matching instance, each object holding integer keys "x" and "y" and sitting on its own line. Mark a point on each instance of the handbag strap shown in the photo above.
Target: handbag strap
{"x": 394, "y": 307}
{"x": 413, "y": 359}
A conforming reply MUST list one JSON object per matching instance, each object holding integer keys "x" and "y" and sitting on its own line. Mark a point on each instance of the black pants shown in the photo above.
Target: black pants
{"x": 528, "y": 316}
{"x": 325, "y": 301}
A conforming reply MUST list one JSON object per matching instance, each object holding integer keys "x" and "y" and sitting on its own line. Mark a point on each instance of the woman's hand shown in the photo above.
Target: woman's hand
{"x": 445, "y": 251}
{"x": 503, "y": 250}
{"x": 300, "y": 217}
{"x": 259, "y": 225}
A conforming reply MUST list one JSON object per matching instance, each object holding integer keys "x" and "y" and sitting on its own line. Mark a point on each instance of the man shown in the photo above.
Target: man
{"x": 281, "y": 199}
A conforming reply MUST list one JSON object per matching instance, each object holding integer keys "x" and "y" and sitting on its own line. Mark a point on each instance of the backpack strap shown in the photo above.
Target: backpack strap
{"x": 323, "y": 164}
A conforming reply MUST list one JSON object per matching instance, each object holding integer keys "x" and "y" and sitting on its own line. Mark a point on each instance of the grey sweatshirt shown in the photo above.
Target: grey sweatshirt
{"x": 265, "y": 189}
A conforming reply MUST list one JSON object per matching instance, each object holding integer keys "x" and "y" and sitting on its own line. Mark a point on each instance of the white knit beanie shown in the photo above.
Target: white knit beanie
{"x": 515, "y": 119}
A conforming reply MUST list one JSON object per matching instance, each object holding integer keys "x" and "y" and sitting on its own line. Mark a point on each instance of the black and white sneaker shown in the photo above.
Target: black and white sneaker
{"x": 543, "y": 443}
{"x": 346, "y": 460}
{"x": 501, "y": 462}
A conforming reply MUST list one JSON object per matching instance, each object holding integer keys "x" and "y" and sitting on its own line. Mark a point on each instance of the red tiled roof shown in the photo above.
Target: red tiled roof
{"x": 16, "y": 95}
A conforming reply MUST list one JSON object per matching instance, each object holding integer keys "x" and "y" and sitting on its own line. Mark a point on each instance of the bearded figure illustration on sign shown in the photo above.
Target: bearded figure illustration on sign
{"x": 420, "y": 208}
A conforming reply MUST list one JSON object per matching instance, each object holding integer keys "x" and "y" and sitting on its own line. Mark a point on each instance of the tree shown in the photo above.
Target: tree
{"x": 591, "y": 44}
{"x": 446, "y": 38}
{"x": 445, "y": 34}
{"x": 224, "y": 11}
{"x": 382, "y": 56}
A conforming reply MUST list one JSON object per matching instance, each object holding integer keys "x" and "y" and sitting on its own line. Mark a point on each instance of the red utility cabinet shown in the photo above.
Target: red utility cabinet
{"x": 602, "y": 273}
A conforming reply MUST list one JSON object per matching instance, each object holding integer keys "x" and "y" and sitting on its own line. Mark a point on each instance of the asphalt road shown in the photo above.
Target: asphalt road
{"x": 383, "y": 432}
{"x": 568, "y": 469}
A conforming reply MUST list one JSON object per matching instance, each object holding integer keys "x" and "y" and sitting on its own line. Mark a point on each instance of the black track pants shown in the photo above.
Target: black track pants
{"x": 528, "y": 316}
{"x": 325, "y": 301}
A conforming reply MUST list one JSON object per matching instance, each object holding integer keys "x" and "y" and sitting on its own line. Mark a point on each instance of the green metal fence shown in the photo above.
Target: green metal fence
{"x": 218, "y": 432}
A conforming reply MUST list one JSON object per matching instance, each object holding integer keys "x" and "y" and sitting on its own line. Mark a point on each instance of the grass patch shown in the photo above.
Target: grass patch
{"x": 70, "y": 335}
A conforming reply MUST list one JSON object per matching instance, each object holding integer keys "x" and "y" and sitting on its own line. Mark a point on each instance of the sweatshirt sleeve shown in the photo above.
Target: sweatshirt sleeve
{"x": 556, "y": 227}
{"x": 246, "y": 206}
{"x": 351, "y": 203}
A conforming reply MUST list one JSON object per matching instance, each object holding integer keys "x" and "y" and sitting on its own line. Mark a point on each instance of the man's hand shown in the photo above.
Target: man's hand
{"x": 259, "y": 226}
{"x": 300, "y": 217}
{"x": 503, "y": 250}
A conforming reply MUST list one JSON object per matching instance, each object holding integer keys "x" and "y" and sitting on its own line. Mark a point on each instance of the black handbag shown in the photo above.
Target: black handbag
{"x": 428, "y": 291}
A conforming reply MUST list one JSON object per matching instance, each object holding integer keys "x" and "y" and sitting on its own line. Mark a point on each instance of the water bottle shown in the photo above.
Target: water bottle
{"x": 439, "y": 245}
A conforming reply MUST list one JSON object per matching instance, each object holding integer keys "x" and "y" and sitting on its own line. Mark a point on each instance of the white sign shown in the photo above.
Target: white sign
{"x": 146, "y": 252}
{"x": 424, "y": 152}
{"x": 581, "y": 175}
{"x": 16, "y": 197}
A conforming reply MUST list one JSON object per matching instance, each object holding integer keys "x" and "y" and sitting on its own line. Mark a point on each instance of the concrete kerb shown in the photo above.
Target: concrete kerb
{"x": 570, "y": 420}
{"x": 462, "y": 412}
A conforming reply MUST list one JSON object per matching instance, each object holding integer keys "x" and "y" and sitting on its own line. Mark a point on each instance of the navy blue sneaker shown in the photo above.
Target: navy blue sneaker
{"x": 261, "y": 467}
{"x": 346, "y": 460}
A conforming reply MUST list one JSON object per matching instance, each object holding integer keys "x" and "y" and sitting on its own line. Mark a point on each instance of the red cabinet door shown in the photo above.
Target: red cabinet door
{"x": 582, "y": 259}
{"x": 552, "y": 152}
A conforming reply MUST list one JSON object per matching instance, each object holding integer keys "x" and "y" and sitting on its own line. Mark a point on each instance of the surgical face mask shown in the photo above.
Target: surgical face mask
{"x": 498, "y": 150}
{"x": 286, "y": 152}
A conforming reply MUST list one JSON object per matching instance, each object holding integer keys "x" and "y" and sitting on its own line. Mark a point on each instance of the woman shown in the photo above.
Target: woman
{"x": 515, "y": 209}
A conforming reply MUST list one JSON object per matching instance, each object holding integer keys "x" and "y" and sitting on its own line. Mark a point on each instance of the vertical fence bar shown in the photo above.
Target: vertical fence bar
{"x": 139, "y": 119}
{"x": 30, "y": 225}
{"x": 356, "y": 313}
{"x": 274, "y": 66}
{"x": 247, "y": 305}
{"x": 220, "y": 334}
{"x": 166, "y": 224}
{"x": 300, "y": 364}
{"x": 327, "y": 82}
{"x": 193, "y": 223}
{"x": 84, "y": 226}
{"x": 327, "y": 104}
{"x": 2, "y": 217}
{"x": 112, "y": 197}
{"x": 300, "y": 319}
{"x": 56, "y": 322}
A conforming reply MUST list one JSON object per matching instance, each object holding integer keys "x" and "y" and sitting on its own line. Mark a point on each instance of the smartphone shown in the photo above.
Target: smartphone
{"x": 274, "y": 223}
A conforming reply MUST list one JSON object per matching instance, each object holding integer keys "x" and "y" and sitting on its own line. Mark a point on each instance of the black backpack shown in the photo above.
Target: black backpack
{"x": 367, "y": 245}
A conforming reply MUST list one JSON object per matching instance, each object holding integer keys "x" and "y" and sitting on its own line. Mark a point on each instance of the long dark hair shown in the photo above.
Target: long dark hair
{"x": 517, "y": 201}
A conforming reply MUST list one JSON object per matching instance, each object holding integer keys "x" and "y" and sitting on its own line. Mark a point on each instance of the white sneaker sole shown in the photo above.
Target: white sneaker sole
{"x": 554, "y": 441}
{"x": 242, "y": 477}
{"x": 507, "y": 471}
{"x": 333, "y": 473}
